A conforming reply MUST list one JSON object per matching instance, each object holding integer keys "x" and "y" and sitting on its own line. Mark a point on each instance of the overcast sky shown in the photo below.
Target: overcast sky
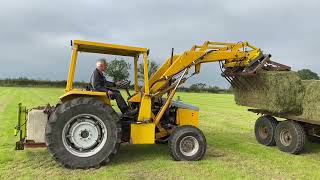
{"x": 35, "y": 34}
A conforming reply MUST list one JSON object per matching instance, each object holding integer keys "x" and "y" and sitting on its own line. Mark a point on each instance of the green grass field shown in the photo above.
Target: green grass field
{"x": 232, "y": 150}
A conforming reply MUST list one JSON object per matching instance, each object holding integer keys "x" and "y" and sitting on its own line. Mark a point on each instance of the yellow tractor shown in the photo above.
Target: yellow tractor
{"x": 83, "y": 130}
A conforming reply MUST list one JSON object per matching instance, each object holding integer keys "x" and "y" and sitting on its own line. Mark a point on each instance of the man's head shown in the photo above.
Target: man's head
{"x": 102, "y": 64}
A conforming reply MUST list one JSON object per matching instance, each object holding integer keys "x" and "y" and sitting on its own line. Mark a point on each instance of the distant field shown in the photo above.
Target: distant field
{"x": 232, "y": 150}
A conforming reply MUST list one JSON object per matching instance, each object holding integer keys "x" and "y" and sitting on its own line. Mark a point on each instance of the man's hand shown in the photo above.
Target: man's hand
{"x": 110, "y": 93}
{"x": 123, "y": 84}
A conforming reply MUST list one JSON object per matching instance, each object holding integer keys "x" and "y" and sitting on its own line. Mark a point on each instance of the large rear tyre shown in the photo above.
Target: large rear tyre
{"x": 83, "y": 133}
{"x": 187, "y": 143}
{"x": 264, "y": 130}
{"x": 290, "y": 137}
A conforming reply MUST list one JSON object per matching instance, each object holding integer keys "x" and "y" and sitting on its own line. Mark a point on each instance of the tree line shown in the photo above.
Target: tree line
{"x": 118, "y": 69}
{"x": 26, "y": 82}
{"x": 307, "y": 74}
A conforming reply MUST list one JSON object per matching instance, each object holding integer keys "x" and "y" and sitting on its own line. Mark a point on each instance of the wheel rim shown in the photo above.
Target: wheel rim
{"x": 189, "y": 146}
{"x": 84, "y": 135}
{"x": 285, "y": 137}
{"x": 263, "y": 132}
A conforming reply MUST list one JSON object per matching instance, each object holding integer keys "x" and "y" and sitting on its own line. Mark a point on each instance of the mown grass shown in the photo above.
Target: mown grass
{"x": 232, "y": 150}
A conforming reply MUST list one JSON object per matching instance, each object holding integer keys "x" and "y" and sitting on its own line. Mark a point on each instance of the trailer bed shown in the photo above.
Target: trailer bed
{"x": 286, "y": 116}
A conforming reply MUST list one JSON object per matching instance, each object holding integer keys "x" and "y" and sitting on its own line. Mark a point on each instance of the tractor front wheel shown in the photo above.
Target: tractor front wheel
{"x": 83, "y": 133}
{"x": 187, "y": 143}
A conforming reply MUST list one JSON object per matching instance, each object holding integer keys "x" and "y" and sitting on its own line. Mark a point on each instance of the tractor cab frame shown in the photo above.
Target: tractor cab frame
{"x": 110, "y": 49}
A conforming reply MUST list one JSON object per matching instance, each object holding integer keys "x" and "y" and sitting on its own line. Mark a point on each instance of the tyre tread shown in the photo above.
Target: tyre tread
{"x": 176, "y": 134}
{"x": 301, "y": 137}
{"x": 66, "y": 162}
{"x": 273, "y": 122}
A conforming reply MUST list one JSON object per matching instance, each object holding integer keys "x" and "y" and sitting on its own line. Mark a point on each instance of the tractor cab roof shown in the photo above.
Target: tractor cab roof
{"x": 112, "y": 49}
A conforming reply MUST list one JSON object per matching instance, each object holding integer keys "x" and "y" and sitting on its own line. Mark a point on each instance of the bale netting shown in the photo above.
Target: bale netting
{"x": 274, "y": 91}
{"x": 311, "y": 100}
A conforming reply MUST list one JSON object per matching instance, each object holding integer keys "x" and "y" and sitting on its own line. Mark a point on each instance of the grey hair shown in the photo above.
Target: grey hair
{"x": 101, "y": 61}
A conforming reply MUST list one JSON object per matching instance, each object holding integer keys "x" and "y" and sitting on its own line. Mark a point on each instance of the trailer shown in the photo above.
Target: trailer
{"x": 286, "y": 131}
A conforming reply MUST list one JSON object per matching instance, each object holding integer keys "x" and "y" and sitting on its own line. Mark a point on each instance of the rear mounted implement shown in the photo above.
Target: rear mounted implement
{"x": 31, "y": 127}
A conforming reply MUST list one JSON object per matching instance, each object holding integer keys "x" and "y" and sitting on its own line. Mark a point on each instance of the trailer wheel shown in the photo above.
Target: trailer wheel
{"x": 83, "y": 133}
{"x": 187, "y": 143}
{"x": 290, "y": 137}
{"x": 264, "y": 130}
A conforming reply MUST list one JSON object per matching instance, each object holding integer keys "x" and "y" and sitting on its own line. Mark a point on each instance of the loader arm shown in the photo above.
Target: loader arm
{"x": 241, "y": 58}
{"x": 232, "y": 55}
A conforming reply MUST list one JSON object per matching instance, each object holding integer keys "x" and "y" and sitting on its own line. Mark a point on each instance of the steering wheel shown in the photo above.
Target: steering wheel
{"x": 124, "y": 84}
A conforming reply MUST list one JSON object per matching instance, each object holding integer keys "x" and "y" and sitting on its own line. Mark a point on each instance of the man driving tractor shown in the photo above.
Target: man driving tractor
{"x": 98, "y": 82}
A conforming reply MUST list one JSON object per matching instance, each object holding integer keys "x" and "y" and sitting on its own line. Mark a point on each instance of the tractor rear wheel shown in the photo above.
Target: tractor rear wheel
{"x": 290, "y": 137}
{"x": 187, "y": 143}
{"x": 264, "y": 130}
{"x": 83, "y": 133}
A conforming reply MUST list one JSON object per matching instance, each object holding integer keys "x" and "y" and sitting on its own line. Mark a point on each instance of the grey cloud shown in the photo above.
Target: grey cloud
{"x": 35, "y": 34}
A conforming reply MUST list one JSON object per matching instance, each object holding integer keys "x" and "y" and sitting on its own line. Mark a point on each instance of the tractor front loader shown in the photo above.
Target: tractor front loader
{"x": 83, "y": 130}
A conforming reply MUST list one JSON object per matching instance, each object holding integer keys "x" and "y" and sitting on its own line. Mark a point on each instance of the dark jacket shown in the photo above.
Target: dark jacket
{"x": 98, "y": 82}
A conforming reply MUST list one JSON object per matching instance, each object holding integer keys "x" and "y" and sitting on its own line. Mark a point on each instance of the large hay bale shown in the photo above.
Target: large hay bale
{"x": 311, "y": 100}
{"x": 274, "y": 91}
